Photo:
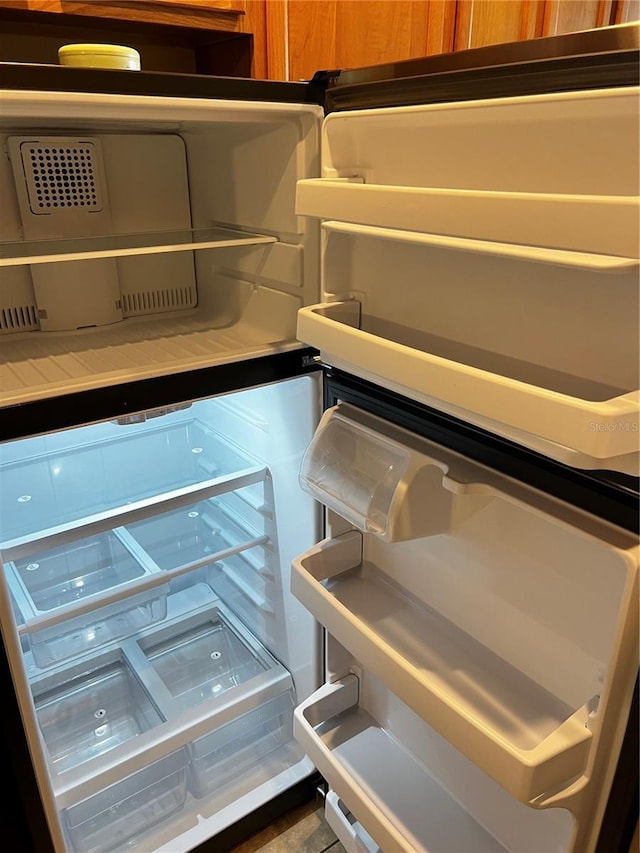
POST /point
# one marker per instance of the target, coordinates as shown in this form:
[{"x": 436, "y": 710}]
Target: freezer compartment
[
  {"x": 224, "y": 755},
  {"x": 408, "y": 788},
  {"x": 122, "y": 811},
  {"x": 193, "y": 261},
  {"x": 85, "y": 714}
]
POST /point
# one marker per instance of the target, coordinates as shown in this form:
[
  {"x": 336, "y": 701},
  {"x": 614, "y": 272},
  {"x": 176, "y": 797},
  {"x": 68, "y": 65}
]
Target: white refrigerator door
[
  {"x": 482, "y": 648},
  {"x": 482, "y": 257}
]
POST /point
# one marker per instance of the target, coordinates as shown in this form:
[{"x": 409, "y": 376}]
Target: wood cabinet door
[
  {"x": 327, "y": 34},
  {"x": 561, "y": 16},
  {"x": 483, "y": 22}
]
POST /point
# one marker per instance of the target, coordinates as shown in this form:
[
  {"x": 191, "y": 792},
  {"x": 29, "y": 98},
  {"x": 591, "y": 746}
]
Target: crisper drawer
[
  {"x": 507, "y": 621},
  {"x": 500, "y": 289},
  {"x": 108, "y": 819},
  {"x": 70, "y": 575},
  {"x": 194, "y": 704}
]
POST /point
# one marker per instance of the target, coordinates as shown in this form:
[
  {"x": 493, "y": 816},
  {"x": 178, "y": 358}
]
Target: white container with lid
[{"x": 99, "y": 56}]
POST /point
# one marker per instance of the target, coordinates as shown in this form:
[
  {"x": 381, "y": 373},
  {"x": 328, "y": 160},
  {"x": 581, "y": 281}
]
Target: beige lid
[{"x": 100, "y": 56}]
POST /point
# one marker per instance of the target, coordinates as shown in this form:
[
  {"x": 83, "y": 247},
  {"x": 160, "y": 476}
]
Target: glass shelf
[{"x": 23, "y": 252}]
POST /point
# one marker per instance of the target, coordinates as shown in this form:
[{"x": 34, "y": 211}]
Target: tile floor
[{"x": 302, "y": 830}]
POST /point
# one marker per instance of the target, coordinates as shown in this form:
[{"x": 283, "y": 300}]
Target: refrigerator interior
[
  {"x": 156, "y": 650},
  {"x": 143, "y": 236},
  {"x": 482, "y": 648}
]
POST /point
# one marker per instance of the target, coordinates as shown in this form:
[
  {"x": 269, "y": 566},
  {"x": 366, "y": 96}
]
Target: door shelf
[
  {"x": 22, "y": 252},
  {"x": 402, "y": 806},
  {"x": 517, "y": 732},
  {"x": 582, "y": 223},
  {"x": 593, "y": 424}
]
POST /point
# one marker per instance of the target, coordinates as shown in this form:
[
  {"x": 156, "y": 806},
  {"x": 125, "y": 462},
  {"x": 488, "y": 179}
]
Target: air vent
[
  {"x": 19, "y": 318},
  {"x": 62, "y": 176},
  {"x": 156, "y": 301}
]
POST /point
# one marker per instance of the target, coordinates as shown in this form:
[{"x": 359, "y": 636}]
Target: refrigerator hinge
[{"x": 311, "y": 360}]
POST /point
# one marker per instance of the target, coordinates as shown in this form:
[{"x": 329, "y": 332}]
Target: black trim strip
[
  {"x": 68, "y": 410},
  {"x": 621, "y": 815},
  {"x": 58, "y": 78},
  {"x": 24, "y": 824},
  {"x": 537, "y": 77},
  {"x": 612, "y": 497},
  {"x": 600, "y": 40}
]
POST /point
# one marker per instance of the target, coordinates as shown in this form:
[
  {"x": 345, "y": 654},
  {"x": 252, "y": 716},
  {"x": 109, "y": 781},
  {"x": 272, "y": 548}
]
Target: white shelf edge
[
  {"x": 606, "y": 225},
  {"x": 526, "y": 773},
  {"x": 536, "y": 254},
  {"x": 225, "y": 238},
  {"x": 332, "y": 328}
]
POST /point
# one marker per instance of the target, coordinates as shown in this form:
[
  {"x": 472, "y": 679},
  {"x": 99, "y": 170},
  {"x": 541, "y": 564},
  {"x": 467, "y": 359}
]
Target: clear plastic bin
[
  {"x": 200, "y": 659},
  {"x": 75, "y": 571},
  {"x": 354, "y": 471},
  {"x": 222, "y": 756},
  {"x": 62, "y": 576},
  {"x": 111, "y": 818},
  {"x": 108, "y": 465},
  {"x": 84, "y": 714},
  {"x": 192, "y": 533}
]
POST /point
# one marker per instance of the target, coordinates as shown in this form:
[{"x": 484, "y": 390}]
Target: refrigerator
[{"x": 319, "y": 452}]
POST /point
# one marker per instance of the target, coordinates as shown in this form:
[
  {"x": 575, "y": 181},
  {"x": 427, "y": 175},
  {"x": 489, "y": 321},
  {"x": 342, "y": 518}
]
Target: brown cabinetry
[
  {"x": 290, "y": 39},
  {"x": 353, "y": 33},
  {"x": 205, "y": 36}
]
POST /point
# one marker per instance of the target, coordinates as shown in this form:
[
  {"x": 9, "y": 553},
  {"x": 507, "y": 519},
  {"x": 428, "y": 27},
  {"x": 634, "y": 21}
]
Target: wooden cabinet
[
  {"x": 290, "y": 39},
  {"x": 483, "y": 22},
  {"x": 324, "y": 34},
  {"x": 205, "y": 36}
]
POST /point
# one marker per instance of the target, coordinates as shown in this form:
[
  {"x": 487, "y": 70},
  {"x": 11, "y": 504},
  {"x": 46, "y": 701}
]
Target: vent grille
[
  {"x": 61, "y": 176},
  {"x": 19, "y": 318},
  {"x": 155, "y": 301}
]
